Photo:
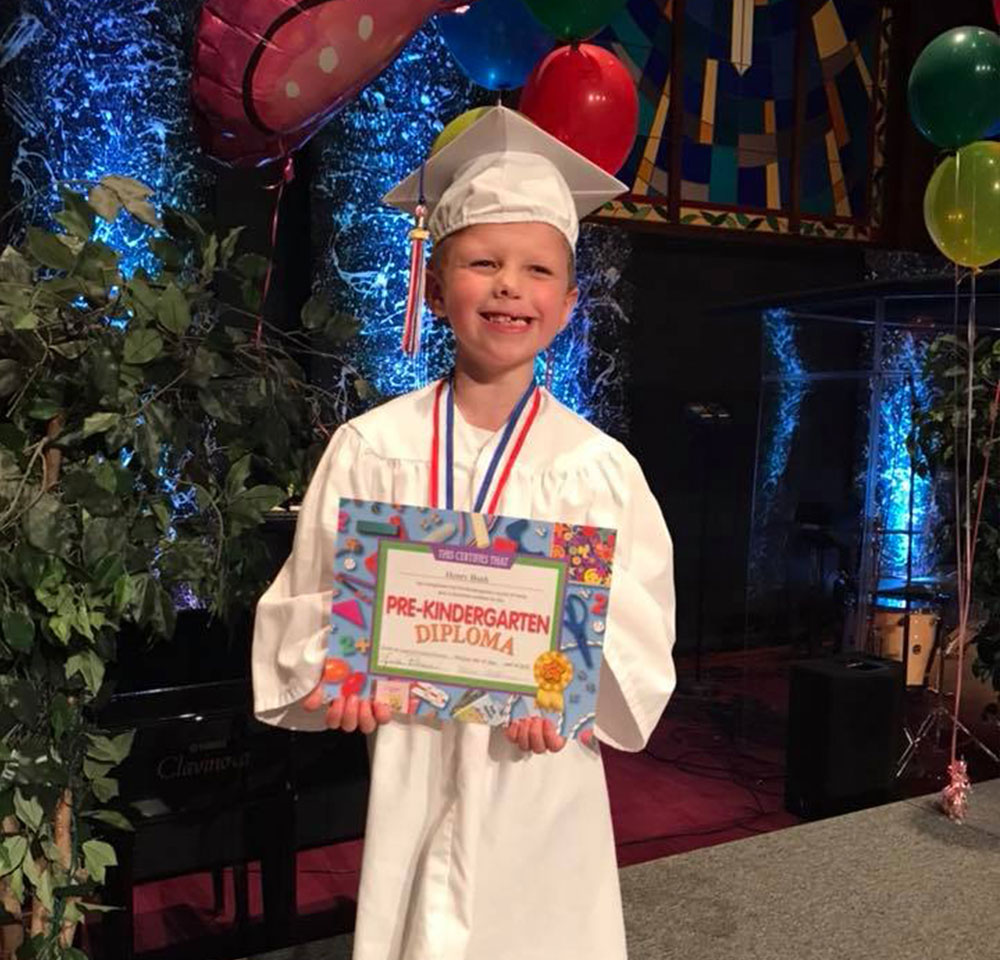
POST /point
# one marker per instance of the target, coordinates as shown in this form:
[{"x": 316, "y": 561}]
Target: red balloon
[
  {"x": 267, "y": 74},
  {"x": 584, "y": 96},
  {"x": 996, "y": 9}
]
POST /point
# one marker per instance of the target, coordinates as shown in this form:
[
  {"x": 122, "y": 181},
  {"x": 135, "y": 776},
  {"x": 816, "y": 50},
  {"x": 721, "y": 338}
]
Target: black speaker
[{"x": 845, "y": 726}]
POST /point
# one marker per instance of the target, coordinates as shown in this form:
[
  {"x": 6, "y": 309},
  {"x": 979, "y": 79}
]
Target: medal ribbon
[{"x": 532, "y": 394}]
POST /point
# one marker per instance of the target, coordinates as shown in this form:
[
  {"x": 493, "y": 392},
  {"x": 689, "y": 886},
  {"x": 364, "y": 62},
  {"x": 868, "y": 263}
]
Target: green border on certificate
[{"x": 376, "y": 667}]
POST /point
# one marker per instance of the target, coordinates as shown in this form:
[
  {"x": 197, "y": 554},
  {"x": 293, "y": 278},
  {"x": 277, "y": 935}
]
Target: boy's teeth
[{"x": 503, "y": 318}]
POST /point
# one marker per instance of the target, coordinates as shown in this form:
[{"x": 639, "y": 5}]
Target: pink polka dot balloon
[{"x": 268, "y": 74}]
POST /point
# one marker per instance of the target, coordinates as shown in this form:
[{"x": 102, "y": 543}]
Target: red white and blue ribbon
[{"x": 512, "y": 439}]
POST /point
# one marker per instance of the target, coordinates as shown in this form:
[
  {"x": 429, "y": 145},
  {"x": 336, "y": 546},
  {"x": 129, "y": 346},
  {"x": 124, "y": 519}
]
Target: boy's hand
[
  {"x": 350, "y": 713},
  {"x": 536, "y": 734}
]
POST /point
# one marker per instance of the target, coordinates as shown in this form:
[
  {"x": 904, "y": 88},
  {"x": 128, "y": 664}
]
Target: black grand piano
[{"x": 208, "y": 788}]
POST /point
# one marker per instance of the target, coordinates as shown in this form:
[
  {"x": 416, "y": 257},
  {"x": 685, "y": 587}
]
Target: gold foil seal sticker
[{"x": 553, "y": 673}]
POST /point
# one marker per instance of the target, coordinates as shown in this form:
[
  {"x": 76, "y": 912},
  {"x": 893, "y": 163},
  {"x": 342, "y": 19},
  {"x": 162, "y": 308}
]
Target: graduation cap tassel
[{"x": 415, "y": 298}]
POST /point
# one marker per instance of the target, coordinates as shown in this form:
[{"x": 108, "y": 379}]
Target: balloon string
[
  {"x": 287, "y": 175},
  {"x": 959, "y": 566},
  {"x": 972, "y": 535},
  {"x": 970, "y": 338}
]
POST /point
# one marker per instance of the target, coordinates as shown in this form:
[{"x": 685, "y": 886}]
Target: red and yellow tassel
[{"x": 415, "y": 297}]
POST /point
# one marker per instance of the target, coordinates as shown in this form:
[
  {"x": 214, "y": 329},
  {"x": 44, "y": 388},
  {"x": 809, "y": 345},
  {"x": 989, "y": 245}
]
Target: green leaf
[
  {"x": 29, "y": 811},
  {"x": 15, "y": 882},
  {"x": 182, "y": 225},
  {"x": 172, "y": 310},
  {"x": 228, "y": 246},
  {"x": 126, "y": 188},
  {"x": 105, "y": 789},
  {"x": 206, "y": 364},
  {"x": 148, "y": 444},
  {"x": 14, "y": 849},
  {"x": 45, "y": 526},
  {"x": 99, "y": 422},
  {"x": 96, "y": 770},
  {"x": 18, "y": 630},
  {"x": 14, "y": 267},
  {"x": 81, "y": 486},
  {"x": 90, "y": 666},
  {"x": 167, "y": 251},
  {"x": 218, "y": 406},
  {"x": 160, "y": 417},
  {"x": 152, "y": 606},
  {"x": 71, "y": 349},
  {"x": 10, "y": 481},
  {"x": 105, "y": 476},
  {"x": 209, "y": 257},
  {"x": 316, "y": 311},
  {"x": 43, "y": 888},
  {"x": 43, "y": 408},
  {"x": 237, "y": 476},
  {"x": 110, "y": 749},
  {"x": 247, "y": 509},
  {"x": 34, "y": 568},
  {"x": 162, "y": 513},
  {"x": 103, "y": 370},
  {"x": 363, "y": 389},
  {"x": 61, "y": 627},
  {"x": 77, "y": 215},
  {"x": 12, "y": 438},
  {"x": 141, "y": 346},
  {"x": 49, "y": 250},
  {"x": 341, "y": 327},
  {"x": 112, "y": 818},
  {"x": 25, "y": 320},
  {"x": 61, "y": 716},
  {"x": 123, "y": 592},
  {"x": 252, "y": 266},
  {"x": 185, "y": 559},
  {"x": 105, "y": 202},
  {"x": 250, "y": 291},
  {"x": 107, "y": 570},
  {"x": 130, "y": 194},
  {"x": 10, "y": 376},
  {"x": 103, "y": 538},
  {"x": 143, "y": 297},
  {"x": 30, "y": 868},
  {"x": 97, "y": 857}
]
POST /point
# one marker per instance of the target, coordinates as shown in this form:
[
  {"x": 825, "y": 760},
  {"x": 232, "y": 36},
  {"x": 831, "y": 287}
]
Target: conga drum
[{"x": 888, "y": 629}]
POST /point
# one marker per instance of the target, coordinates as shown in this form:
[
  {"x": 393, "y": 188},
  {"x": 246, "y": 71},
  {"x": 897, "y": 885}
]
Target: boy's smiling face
[{"x": 506, "y": 289}]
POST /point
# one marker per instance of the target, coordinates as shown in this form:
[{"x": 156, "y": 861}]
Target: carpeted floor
[{"x": 713, "y": 772}]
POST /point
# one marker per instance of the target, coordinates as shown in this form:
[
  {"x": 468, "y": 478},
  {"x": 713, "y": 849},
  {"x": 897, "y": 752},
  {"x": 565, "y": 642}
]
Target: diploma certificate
[{"x": 469, "y": 617}]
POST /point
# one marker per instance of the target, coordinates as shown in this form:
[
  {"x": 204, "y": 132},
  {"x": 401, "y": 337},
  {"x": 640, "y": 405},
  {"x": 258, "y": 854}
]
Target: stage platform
[{"x": 899, "y": 880}]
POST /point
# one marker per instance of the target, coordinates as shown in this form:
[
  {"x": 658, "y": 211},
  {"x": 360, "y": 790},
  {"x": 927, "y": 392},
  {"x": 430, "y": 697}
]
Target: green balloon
[
  {"x": 962, "y": 205},
  {"x": 570, "y": 20},
  {"x": 954, "y": 89}
]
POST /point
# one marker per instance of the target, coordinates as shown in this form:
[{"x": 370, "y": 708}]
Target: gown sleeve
[
  {"x": 637, "y": 671},
  {"x": 293, "y": 616}
]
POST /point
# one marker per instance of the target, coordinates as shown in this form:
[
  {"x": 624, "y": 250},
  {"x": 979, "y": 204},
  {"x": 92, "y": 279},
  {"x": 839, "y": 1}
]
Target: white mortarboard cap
[{"x": 505, "y": 169}]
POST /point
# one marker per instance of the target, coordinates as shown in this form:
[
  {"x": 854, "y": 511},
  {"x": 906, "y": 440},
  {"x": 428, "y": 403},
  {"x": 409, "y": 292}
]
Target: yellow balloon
[
  {"x": 456, "y": 126},
  {"x": 962, "y": 205}
]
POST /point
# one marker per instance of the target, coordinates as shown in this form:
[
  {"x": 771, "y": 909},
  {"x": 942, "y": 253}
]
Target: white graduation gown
[{"x": 475, "y": 850}]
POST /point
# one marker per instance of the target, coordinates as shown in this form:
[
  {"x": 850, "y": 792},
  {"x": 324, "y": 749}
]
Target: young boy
[{"x": 478, "y": 848}]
